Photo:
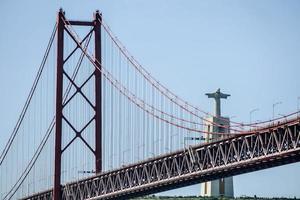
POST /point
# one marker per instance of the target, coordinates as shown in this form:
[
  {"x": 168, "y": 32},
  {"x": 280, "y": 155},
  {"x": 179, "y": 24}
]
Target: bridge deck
[{"x": 267, "y": 147}]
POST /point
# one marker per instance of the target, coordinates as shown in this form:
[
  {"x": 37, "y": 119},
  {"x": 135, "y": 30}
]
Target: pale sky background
[{"x": 250, "y": 49}]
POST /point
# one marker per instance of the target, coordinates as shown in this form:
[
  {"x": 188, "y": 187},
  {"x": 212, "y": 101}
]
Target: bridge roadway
[{"x": 271, "y": 146}]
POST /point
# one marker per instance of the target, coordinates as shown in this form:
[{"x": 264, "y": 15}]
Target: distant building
[{"x": 224, "y": 186}]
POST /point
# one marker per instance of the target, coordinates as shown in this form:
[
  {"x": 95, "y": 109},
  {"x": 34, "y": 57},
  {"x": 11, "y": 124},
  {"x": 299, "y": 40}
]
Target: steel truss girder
[{"x": 269, "y": 147}]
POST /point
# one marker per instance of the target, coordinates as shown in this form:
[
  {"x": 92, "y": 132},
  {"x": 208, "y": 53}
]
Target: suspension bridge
[{"x": 97, "y": 125}]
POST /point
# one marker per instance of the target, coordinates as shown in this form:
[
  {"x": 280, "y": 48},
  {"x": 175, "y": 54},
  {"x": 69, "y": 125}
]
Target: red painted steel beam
[
  {"x": 80, "y": 23},
  {"x": 59, "y": 105},
  {"x": 98, "y": 93}
]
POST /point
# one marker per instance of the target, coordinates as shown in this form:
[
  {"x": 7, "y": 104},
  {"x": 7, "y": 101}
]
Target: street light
[
  {"x": 157, "y": 150},
  {"x": 138, "y": 153},
  {"x": 124, "y": 151},
  {"x": 250, "y": 114},
  {"x": 275, "y": 104},
  {"x": 112, "y": 161},
  {"x": 171, "y": 142},
  {"x": 298, "y": 106}
]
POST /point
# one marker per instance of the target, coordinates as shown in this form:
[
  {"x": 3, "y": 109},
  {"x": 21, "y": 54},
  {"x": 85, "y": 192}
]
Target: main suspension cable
[
  {"x": 108, "y": 74},
  {"x": 32, "y": 90},
  {"x": 152, "y": 80},
  {"x": 33, "y": 160}
]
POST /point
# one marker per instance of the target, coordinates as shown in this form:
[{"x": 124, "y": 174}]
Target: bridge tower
[
  {"x": 224, "y": 186},
  {"x": 61, "y": 75}
]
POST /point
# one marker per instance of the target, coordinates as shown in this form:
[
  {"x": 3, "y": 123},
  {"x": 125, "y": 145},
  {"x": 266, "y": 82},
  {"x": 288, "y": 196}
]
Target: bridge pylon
[{"x": 96, "y": 105}]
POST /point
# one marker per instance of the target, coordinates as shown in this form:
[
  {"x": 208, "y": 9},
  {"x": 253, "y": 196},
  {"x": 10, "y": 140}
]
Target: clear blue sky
[{"x": 250, "y": 49}]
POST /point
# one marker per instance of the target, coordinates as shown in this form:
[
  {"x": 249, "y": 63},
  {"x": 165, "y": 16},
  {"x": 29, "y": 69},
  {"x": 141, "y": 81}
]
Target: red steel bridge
[{"x": 98, "y": 125}]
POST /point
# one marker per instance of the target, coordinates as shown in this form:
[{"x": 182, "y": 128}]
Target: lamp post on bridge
[
  {"x": 250, "y": 114},
  {"x": 112, "y": 163},
  {"x": 171, "y": 142},
  {"x": 274, "y": 105},
  {"x": 298, "y": 106},
  {"x": 138, "y": 151},
  {"x": 156, "y": 144},
  {"x": 123, "y": 154}
]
